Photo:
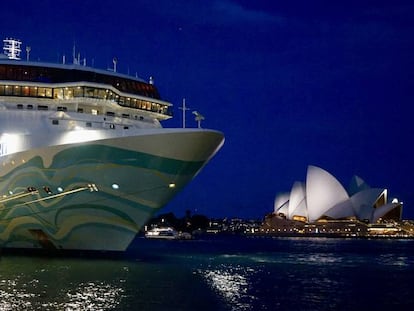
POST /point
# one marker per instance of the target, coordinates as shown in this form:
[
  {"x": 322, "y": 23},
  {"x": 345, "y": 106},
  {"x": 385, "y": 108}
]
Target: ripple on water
[
  {"x": 231, "y": 282},
  {"x": 89, "y": 296}
]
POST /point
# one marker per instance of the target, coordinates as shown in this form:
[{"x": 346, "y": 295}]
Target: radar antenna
[
  {"x": 198, "y": 117},
  {"x": 12, "y": 48},
  {"x": 115, "y": 61},
  {"x": 28, "y": 49}
]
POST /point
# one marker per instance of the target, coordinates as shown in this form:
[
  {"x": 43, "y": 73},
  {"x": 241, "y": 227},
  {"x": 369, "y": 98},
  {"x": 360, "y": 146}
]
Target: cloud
[{"x": 234, "y": 12}]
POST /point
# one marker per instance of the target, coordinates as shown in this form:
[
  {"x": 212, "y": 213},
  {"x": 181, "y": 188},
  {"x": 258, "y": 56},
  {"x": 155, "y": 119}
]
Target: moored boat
[{"x": 166, "y": 233}]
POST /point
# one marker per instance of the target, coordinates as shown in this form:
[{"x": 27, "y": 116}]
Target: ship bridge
[{"x": 74, "y": 82}]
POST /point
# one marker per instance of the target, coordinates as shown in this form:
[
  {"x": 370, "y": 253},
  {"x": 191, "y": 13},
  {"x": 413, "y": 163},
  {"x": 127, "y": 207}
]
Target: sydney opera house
[
  {"x": 322, "y": 196},
  {"x": 322, "y": 202}
]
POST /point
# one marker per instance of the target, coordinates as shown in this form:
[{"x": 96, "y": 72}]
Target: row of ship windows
[
  {"x": 89, "y": 124},
  {"x": 60, "y": 75},
  {"x": 80, "y": 110},
  {"x": 79, "y": 92}
]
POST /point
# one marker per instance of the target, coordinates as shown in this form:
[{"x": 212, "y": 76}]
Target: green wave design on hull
[
  {"x": 69, "y": 157},
  {"x": 33, "y": 218}
]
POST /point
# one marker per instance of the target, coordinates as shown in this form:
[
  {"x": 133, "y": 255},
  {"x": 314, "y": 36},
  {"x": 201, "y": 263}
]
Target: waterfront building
[{"x": 322, "y": 197}]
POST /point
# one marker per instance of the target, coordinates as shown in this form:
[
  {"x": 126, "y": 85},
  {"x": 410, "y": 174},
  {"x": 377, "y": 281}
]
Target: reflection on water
[
  {"x": 39, "y": 284},
  {"x": 319, "y": 258},
  {"x": 92, "y": 296},
  {"x": 222, "y": 274},
  {"x": 231, "y": 283},
  {"x": 393, "y": 260},
  {"x": 32, "y": 283},
  {"x": 89, "y": 296},
  {"x": 12, "y": 298}
]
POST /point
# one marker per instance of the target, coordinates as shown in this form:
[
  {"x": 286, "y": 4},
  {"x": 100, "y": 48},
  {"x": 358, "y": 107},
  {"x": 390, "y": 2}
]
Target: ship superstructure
[{"x": 84, "y": 160}]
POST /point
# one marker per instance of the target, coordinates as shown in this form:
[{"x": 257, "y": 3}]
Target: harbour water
[{"x": 218, "y": 273}]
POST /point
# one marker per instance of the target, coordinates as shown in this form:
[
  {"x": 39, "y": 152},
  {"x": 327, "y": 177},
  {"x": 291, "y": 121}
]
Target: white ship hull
[{"x": 96, "y": 195}]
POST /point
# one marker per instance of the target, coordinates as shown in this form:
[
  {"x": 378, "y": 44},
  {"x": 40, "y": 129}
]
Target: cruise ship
[{"x": 84, "y": 159}]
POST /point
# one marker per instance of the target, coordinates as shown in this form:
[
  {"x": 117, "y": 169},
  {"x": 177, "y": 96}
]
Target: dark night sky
[{"x": 326, "y": 83}]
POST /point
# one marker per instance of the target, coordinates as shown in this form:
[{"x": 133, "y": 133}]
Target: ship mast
[{"x": 184, "y": 109}]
